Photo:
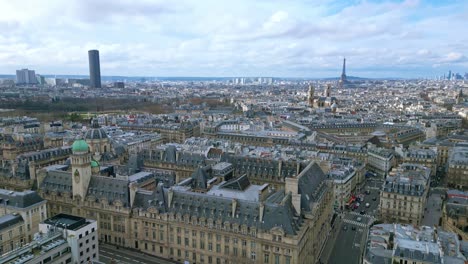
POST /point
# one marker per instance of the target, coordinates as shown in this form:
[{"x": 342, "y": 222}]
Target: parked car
[
  {"x": 374, "y": 199},
  {"x": 367, "y": 205},
  {"x": 345, "y": 228},
  {"x": 353, "y": 228},
  {"x": 359, "y": 219},
  {"x": 362, "y": 212}
]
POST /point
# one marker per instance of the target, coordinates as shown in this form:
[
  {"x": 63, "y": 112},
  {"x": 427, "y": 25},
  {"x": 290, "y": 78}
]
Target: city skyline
[{"x": 407, "y": 39}]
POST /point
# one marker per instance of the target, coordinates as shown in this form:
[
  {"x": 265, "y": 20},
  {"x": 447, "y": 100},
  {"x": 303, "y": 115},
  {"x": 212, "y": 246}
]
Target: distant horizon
[
  {"x": 83, "y": 76},
  {"x": 407, "y": 39}
]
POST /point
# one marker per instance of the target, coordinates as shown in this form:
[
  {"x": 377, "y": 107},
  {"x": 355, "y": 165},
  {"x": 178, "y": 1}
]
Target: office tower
[
  {"x": 94, "y": 69},
  {"x": 450, "y": 75},
  {"x": 25, "y": 76}
]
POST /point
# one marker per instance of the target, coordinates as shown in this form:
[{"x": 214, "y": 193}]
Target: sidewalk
[{"x": 325, "y": 256}]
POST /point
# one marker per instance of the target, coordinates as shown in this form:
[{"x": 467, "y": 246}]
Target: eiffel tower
[{"x": 343, "y": 81}]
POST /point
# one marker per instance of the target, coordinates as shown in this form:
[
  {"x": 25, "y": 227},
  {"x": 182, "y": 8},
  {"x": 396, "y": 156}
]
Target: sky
[{"x": 277, "y": 38}]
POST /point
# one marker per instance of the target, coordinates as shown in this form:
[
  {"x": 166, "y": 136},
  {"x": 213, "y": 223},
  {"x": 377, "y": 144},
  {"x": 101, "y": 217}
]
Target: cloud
[{"x": 210, "y": 37}]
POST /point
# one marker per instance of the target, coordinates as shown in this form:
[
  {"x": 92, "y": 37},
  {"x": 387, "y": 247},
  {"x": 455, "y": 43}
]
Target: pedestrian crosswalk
[
  {"x": 365, "y": 215},
  {"x": 348, "y": 221}
]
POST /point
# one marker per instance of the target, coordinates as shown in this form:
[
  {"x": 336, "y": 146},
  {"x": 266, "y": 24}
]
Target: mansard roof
[
  {"x": 310, "y": 183},
  {"x": 109, "y": 188},
  {"x": 20, "y": 199},
  {"x": 276, "y": 214}
]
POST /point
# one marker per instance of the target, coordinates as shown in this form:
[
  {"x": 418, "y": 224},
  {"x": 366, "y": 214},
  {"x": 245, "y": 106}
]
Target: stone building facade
[{"x": 404, "y": 193}]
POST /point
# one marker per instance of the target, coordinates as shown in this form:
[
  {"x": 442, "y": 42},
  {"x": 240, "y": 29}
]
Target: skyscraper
[
  {"x": 94, "y": 69},
  {"x": 25, "y": 76}
]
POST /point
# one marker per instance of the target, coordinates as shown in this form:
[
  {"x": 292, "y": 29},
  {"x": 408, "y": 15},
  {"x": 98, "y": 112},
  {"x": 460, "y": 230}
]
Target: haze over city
[{"x": 407, "y": 39}]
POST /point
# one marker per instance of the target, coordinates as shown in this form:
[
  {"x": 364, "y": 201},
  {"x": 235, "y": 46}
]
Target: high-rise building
[
  {"x": 25, "y": 76},
  {"x": 94, "y": 68}
]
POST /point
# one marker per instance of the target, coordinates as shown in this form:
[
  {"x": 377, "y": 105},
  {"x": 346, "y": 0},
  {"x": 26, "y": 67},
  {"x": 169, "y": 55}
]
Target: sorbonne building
[{"x": 206, "y": 218}]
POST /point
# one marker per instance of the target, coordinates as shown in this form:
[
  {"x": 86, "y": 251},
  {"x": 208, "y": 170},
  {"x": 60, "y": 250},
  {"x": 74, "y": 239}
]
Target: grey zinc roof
[
  {"x": 309, "y": 184},
  {"x": 280, "y": 215},
  {"x": 9, "y": 220},
  {"x": 57, "y": 181},
  {"x": 95, "y": 133},
  {"x": 20, "y": 199},
  {"x": 200, "y": 178},
  {"x": 109, "y": 188}
]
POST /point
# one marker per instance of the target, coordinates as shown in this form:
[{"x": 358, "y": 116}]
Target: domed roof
[
  {"x": 80, "y": 146},
  {"x": 94, "y": 164},
  {"x": 96, "y": 132}
]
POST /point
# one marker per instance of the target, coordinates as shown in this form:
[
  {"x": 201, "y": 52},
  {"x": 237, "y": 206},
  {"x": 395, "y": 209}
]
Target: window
[
  {"x": 202, "y": 244},
  {"x": 210, "y": 246},
  {"x": 218, "y": 248},
  {"x": 253, "y": 255},
  {"x": 161, "y": 250},
  {"x": 226, "y": 250},
  {"x": 277, "y": 259},
  {"x": 186, "y": 242},
  {"x": 266, "y": 258},
  {"x": 288, "y": 260}
]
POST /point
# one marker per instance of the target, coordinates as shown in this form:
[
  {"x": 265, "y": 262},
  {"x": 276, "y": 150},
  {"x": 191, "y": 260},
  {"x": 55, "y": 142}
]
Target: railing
[{"x": 28, "y": 247}]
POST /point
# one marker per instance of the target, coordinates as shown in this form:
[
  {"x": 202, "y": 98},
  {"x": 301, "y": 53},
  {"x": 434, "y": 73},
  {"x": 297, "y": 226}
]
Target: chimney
[
  {"x": 170, "y": 196},
  {"x": 133, "y": 190},
  {"x": 233, "y": 207},
  {"x": 262, "y": 210}
]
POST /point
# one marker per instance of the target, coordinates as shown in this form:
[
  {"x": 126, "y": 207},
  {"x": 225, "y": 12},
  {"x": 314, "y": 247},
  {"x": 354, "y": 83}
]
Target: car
[
  {"x": 374, "y": 199},
  {"x": 367, "y": 205},
  {"x": 363, "y": 212},
  {"x": 353, "y": 228},
  {"x": 367, "y": 192},
  {"x": 345, "y": 228},
  {"x": 359, "y": 219}
]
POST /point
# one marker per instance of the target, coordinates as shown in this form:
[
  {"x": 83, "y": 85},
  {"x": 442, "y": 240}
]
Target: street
[
  {"x": 346, "y": 246},
  {"x": 434, "y": 211},
  {"x": 107, "y": 253}
]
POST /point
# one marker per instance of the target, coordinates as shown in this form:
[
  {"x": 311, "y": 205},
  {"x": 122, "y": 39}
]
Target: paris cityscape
[{"x": 274, "y": 132}]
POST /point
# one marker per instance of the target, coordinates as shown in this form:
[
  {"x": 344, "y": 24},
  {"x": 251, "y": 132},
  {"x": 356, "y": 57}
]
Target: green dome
[
  {"x": 94, "y": 164},
  {"x": 80, "y": 146}
]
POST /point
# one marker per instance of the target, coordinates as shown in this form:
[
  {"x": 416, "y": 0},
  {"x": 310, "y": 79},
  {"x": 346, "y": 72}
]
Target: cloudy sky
[{"x": 283, "y": 38}]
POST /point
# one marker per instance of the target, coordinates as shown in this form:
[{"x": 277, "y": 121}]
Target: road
[
  {"x": 346, "y": 246},
  {"x": 107, "y": 253},
  {"x": 434, "y": 211}
]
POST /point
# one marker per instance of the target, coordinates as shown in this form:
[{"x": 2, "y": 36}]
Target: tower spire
[{"x": 343, "y": 80}]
